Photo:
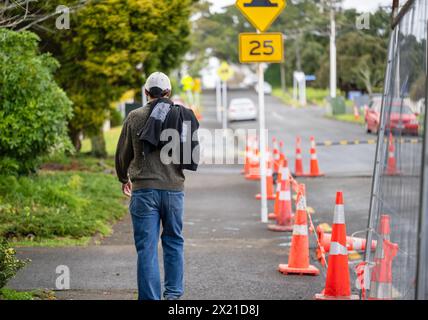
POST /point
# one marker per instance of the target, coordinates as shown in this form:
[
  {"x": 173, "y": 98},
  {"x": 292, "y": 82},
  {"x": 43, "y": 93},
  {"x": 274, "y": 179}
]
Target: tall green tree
[{"x": 102, "y": 53}]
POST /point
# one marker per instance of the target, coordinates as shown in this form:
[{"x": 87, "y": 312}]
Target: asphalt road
[{"x": 230, "y": 254}]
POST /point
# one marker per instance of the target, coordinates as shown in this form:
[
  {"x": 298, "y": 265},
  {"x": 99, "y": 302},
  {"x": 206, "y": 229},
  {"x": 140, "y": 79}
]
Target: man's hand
[{"x": 127, "y": 188}]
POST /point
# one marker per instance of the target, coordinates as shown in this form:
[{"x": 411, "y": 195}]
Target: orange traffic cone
[
  {"x": 276, "y": 155},
  {"x": 254, "y": 167},
  {"x": 298, "y": 261},
  {"x": 338, "y": 284},
  {"x": 314, "y": 167},
  {"x": 283, "y": 166},
  {"x": 356, "y": 113},
  {"x": 284, "y": 215},
  {"x": 281, "y": 152},
  {"x": 352, "y": 243},
  {"x": 269, "y": 181},
  {"x": 391, "y": 168},
  {"x": 248, "y": 152},
  {"x": 298, "y": 171},
  {"x": 381, "y": 277}
]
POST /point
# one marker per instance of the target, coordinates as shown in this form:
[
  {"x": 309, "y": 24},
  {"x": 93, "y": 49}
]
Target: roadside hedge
[{"x": 34, "y": 110}]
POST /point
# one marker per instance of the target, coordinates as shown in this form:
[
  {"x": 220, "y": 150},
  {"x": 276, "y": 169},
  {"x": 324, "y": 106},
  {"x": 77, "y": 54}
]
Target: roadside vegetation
[
  {"x": 314, "y": 96},
  {"x": 347, "y": 118},
  {"x": 59, "y": 205},
  {"x": 9, "y": 294}
]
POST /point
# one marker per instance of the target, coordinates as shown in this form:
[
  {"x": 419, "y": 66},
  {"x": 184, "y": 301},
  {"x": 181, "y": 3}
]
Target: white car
[
  {"x": 267, "y": 88},
  {"x": 242, "y": 109}
]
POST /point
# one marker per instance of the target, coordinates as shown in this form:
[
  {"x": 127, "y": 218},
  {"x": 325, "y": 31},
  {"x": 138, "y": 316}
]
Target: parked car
[
  {"x": 401, "y": 117},
  {"x": 267, "y": 88},
  {"x": 242, "y": 109}
]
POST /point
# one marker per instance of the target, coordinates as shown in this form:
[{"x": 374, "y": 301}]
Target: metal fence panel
[{"x": 395, "y": 209}]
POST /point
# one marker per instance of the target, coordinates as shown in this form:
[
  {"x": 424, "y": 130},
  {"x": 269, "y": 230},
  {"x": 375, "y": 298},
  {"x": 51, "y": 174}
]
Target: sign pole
[
  {"x": 260, "y": 48},
  {"x": 218, "y": 100},
  {"x": 333, "y": 58},
  {"x": 263, "y": 184},
  {"x": 224, "y": 106},
  {"x": 225, "y": 73}
]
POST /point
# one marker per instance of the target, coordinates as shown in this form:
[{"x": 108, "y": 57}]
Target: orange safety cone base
[
  {"x": 321, "y": 296},
  {"x": 397, "y": 173},
  {"x": 269, "y": 197},
  {"x": 249, "y": 177},
  {"x": 272, "y": 216},
  {"x": 279, "y": 228},
  {"x": 309, "y": 271}
]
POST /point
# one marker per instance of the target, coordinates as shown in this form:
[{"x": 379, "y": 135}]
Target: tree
[
  {"x": 23, "y": 14},
  {"x": 361, "y": 62},
  {"x": 33, "y": 110},
  {"x": 306, "y": 26},
  {"x": 102, "y": 50}
]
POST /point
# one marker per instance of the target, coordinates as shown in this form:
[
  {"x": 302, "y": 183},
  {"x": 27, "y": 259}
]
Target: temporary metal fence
[{"x": 398, "y": 209}]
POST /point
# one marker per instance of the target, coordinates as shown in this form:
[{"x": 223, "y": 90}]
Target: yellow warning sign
[
  {"x": 197, "y": 86},
  {"x": 225, "y": 72},
  {"x": 261, "y": 47},
  {"x": 187, "y": 83},
  {"x": 261, "y": 13}
]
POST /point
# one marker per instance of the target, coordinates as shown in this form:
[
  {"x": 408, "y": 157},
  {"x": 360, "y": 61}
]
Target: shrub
[
  {"x": 33, "y": 110},
  {"x": 9, "y": 264}
]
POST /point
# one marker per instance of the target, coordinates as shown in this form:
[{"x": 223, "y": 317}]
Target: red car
[{"x": 402, "y": 118}]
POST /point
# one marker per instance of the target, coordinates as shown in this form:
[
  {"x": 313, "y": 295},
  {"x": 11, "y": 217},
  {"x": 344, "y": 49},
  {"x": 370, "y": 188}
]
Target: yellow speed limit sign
[{"x": 261, "y": 47}]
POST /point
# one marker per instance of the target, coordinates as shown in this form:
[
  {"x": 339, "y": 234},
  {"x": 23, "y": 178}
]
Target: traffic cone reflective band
[
  {"x": 298, "y": 261},
  {"x": 338, "y": 284},
  {"x": 269, "y": 181},
  {"x": 276, "y": 155},
  {"x": 284, "y": 215},
  {"x": 298, "y": 170},
  {"x": 352, "y": 243},
  {"x": 282, "y": 156},
  {"x": 283, "y": 167},
  {"x": 391, "y": 168},
  {"x": 314, "y": 167},
  {"x": 381, "y": 277}
]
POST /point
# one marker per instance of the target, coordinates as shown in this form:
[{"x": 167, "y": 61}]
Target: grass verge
[
  {"x": 350, "y": 118},
  {"x": 314, "y": 96},
  {"x": 9, "y": 294},
  {"x": 58, "y": 208},
  {"x": 111, "y": 137}
]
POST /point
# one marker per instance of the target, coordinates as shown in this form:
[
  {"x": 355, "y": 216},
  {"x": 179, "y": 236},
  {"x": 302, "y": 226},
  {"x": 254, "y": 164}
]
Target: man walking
[{"x": 156, "y": 189}]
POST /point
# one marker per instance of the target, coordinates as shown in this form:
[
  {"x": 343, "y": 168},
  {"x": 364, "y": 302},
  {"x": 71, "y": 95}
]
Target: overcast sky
[{"x": 360, "y": 5}]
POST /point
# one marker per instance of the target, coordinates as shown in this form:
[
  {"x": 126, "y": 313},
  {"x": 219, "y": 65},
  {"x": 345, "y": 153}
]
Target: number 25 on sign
[{"x": 261, "y": 47}]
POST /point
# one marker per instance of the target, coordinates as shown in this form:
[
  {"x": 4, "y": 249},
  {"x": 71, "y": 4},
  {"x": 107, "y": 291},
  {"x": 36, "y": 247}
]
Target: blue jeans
[{"x": 150, "y": 207}]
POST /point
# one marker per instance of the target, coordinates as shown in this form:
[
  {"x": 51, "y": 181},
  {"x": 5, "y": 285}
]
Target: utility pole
[
  {"x": 333, "y": 59},
  {"x": 283, "y": 81}
]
